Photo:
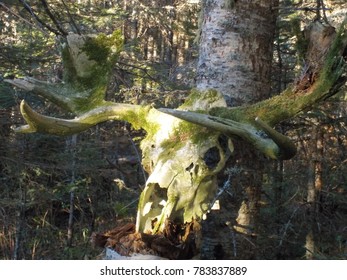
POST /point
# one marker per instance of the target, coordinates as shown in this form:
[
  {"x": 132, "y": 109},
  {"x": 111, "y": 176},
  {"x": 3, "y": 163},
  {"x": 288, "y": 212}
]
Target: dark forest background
[{"x": 55, "y": 192}]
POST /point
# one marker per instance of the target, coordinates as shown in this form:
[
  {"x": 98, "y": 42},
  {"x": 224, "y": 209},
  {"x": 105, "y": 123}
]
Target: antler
[
  {"x": 277, "y": 146},
  {"x": 40, "y": 123}
]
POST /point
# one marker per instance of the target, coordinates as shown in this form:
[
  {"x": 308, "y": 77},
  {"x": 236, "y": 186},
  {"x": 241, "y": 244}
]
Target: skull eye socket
[{"x": 212, "y": 157}]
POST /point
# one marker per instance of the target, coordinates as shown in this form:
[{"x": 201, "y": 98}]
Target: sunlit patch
[
  {"x": 162, "y": 203},
  {"x": 147, "y": 208}
]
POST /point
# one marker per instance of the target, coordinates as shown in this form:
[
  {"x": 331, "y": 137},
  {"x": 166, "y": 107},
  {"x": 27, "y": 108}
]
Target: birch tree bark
[
  {"x": 235, "y": 58},
  {"x": 235, "y": 50}
]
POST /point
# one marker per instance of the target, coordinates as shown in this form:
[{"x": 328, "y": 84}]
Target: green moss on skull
[
  {"x": 169, "y": 149},
  {"x": 138, "y": 118},
  {"x": 201, "y": 100},
  {"x": 184, "y": 132}
]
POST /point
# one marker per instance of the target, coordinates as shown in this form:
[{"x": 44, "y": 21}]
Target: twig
[
  {"x": 144, "y": 70},
  {"x": 138, "y": 157},
  {"x": 72, "y": 148},
  {"x": 51, "y": 16},
  {"x": 129, "y": 204},
  {"x": 20, "y": 17},
  {"x": 227, "y": 184},
  {"x": 40, "y": 21},
  {"x": 247, "y": 239},
  {"x": 73, "y": 23},
  {"x": 287, "y": 226},
  {"x": 19, "y": 223},
  {"x": 324, "y": 11},
  {"x": 305, "y": 9}
]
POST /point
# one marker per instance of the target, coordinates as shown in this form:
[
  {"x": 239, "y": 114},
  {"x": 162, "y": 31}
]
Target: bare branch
[
  {"x": 73, "y": 23},
  {"x": 51, "y": 16},
  {"x": 20, "y": 17},
  {"x": 39, "y": 20}
]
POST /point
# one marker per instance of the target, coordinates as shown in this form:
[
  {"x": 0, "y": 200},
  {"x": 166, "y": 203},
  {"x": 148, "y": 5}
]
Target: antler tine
[{"x": 277, "y": 146}]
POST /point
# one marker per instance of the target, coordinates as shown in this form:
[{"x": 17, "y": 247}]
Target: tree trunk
[
  {"x": 71, "y": 146},
  {"x": 235, "y": 58},
  {"x": 314, "y": 188},
  {"x": 235, "y": 52}
]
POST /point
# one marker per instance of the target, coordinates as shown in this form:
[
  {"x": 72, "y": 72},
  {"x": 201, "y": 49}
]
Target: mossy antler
[
  {"x": 44, "y": 124},
  {"x": 277, "y": 146}
]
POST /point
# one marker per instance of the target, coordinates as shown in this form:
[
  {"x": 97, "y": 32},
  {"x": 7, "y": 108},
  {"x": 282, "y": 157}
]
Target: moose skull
[
  {"x": 183, "y": 180},
  {"x": 183, "y": 152},
  {"x": 182, "y": 160}
]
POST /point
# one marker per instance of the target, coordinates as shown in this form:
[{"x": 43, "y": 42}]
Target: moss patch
[
  {"x": 200, "y": 99},
  {"x": 291, "y": 102},
  {"x": 87, "y": 91},
  {"x": 104, "y": 48}
]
